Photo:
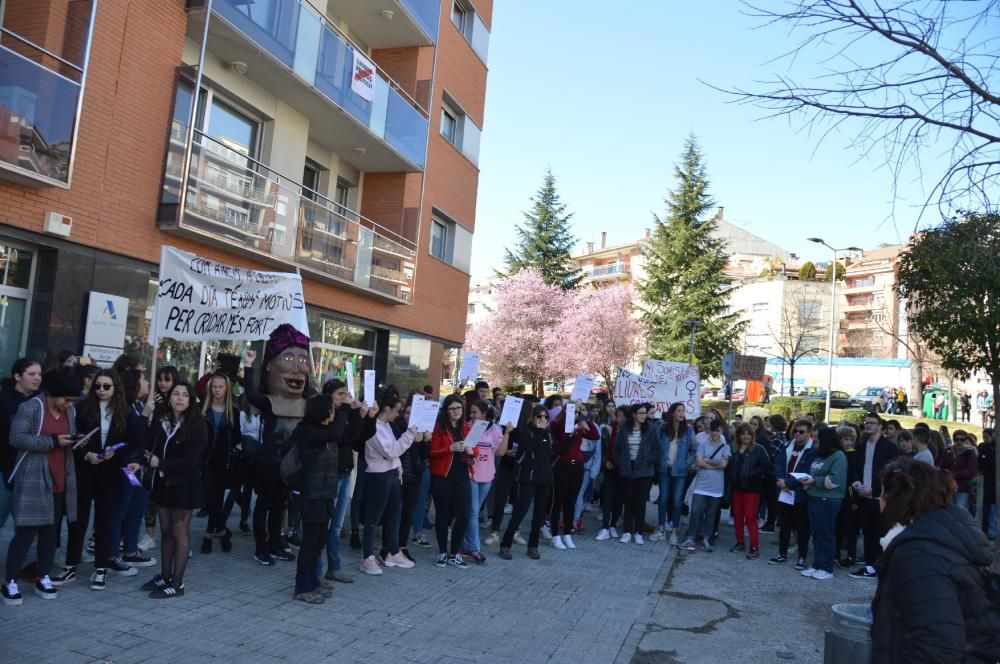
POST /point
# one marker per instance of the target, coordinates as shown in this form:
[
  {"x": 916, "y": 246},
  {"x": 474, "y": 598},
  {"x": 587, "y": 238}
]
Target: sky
[{"x": 605, "y": 93}]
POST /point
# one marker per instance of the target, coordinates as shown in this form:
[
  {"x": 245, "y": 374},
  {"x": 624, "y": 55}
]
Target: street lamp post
[
  {"x": 833, "y": 318},
  {"x": 694, "y": 325}
]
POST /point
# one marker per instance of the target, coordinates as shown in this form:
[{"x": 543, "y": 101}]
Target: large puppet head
[{"x": 286, "y": 362}]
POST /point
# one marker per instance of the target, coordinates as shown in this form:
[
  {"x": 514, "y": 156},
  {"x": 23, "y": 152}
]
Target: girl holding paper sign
[
  {"x": 98, "y": 478},
  {"x": 491, "y": 444},
  {"x": 568, "y": 470},
  {"x": 450, "y": 463}
]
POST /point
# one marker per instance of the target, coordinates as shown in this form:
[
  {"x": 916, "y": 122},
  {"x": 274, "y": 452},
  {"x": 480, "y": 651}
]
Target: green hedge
[
  {"x": 813, "y": 407},
  {"x": 854, "y": 415},
  {"x": 781, "y": 409},
  {"x": 722, "y": 406}
]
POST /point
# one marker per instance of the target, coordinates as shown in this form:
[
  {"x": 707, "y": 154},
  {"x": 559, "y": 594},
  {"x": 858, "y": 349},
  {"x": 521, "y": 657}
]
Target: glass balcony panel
[
  {"x": 480, "y": 40},
  {"x": 271, "y": 23},
  {"x": 406, "y": 129},
  {"x": 37, "y": 115},
  {"x": 427, "y": 13}
]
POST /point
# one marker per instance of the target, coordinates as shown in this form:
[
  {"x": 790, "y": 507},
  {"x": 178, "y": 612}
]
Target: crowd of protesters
[{"x": 98, "y": 449}]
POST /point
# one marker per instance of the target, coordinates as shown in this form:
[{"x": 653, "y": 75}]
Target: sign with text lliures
[
  {"x": 631, "y": 388},
  {"x": 201, "y": 299}
]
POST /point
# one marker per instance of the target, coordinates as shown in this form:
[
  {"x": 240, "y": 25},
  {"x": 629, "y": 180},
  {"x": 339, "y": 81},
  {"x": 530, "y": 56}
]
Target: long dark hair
[
  {"x": 443, "y": 422},
  {"x": 191, "y": 417},
  {"x": 669, "y": 424},
  {"x": 131, "y": 384},
  {"x": 21, "y": 365},
  {"x": 91, "y": 408},
  {"x": 168, "y": 370},
  {"x": 630, "y": 413},
  {"x": 829, "y": 442}
]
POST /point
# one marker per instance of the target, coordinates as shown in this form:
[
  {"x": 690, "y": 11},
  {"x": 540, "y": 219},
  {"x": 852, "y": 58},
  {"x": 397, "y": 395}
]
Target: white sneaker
[
  {"x": 658, "y": 535},
  {"x": 604, "y": 535},
  {"x": 146, "y": 542},
  {"x": 568, "y": 541},
  {"x": 638, "y": 539},
  {"x": 626, "y": 538},
  {"x": 518, "y": 539},
  {"x": 546, "y": 532},
  {"x": 673, "y": 538},
  {"x": 492, "y": 539},
  {"x": 558, "y": 543},
  {"x": 822, "y": 575},
  {"x": 614, "y": 532},
  {"x": 809, "y": 572}
]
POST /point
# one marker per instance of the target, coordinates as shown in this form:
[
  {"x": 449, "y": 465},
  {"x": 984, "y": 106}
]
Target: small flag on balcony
[{"x": 363, "y": 79}]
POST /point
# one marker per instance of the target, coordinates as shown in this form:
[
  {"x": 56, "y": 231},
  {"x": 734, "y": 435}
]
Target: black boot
[
  {"x": 206, "y": 544},
  {"x": 227, "y": 540}
]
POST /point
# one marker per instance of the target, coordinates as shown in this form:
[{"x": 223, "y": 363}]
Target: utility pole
[{"x": 694, "y": 325}]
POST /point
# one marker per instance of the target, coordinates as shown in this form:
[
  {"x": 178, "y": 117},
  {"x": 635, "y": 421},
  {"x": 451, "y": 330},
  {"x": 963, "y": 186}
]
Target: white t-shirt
[{"x": 711, "y": 481}]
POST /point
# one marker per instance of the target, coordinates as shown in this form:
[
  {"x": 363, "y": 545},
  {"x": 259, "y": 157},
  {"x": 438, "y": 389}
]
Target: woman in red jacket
[
  {"x": 568, "y": 471},
  {"x": 450, "y": 464}
]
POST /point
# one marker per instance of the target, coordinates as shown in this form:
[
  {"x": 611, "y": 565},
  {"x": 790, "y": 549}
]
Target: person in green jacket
[{"x": 825, "y": 488}]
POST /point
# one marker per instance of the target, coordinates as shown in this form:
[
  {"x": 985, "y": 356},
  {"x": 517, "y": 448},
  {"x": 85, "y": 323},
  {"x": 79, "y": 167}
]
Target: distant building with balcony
[
  {"x": 872, "y": 318},
  {"x": 603, "y": 266},
  {"x": 336, "y": 138}
]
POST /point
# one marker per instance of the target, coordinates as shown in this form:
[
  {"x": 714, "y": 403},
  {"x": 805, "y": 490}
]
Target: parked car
[
  {"x": 838, "y": 399},
  {"x": 866, "y": 398}
]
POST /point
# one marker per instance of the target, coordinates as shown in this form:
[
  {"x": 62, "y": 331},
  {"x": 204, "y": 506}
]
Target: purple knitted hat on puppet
[{"x": 284, "y": 336}]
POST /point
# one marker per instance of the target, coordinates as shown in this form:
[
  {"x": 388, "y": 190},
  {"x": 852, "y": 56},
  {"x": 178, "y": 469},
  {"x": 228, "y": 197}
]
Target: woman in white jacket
[{"x": 382, "y": 487}]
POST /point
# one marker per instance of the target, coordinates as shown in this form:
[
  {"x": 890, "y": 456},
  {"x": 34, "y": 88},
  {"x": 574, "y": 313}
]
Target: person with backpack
[
  {"x": 42, "y": 434},
  {"x": 708, "y": 486},
  {"x": 936, "y": 600},
  {"x": 534, "y": 462}
]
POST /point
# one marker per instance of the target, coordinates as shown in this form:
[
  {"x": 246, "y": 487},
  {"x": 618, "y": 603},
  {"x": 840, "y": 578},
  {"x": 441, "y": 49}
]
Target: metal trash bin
[{"x": 848, "y": 638}]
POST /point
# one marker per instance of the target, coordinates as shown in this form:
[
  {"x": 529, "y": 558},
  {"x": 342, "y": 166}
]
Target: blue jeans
[
  {"x": 582, "y": 497},
  {"x": 672, "y": 496},
  {"x": 5, "y": 500},
  {"x": 333, "y": 536},
  {"x": 479, "y": 490},
  {"x": 823, "y": 523},
  {"x": 419, "y": 519},
  {"x": 129, "y": 510}
]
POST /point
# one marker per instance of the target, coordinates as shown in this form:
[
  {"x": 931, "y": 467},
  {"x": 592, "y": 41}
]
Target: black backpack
[{"x": 291, "y": 470}]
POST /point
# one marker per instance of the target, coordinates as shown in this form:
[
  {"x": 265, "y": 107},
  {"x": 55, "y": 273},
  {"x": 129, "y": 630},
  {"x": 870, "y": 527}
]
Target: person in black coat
[
  {"x": 932, "y": 604},
  {"x": 749, "y": 470},
  {"x": 534, "y": 459},
  {"x": 874, "y": 452},
  {"x": 174, "y": 470},
  {"x": 222, "y": 460}
]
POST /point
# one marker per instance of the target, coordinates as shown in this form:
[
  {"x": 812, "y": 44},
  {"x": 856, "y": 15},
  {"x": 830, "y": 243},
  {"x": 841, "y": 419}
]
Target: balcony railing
[
  {"x": 301, "y": 38},
  {"x": 609, "y": 270},
  {"x": 426, "y": 12},
  {"x": 240, "y": 202},
  {"x": 40, "y": 99}
]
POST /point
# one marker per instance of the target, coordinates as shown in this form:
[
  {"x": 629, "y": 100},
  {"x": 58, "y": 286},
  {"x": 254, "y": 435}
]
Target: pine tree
[
  {"x": 544, "y": 240},
  {"x": 807, "y": 272},
  {"x": 685, "y": 268}
]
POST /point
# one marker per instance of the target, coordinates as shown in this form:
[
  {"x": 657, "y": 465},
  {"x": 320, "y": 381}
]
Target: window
[
  {"x": 468, "y": 23},
  {"x": 472, "y": 309},
  {"x": 451, "y": 242},
  {"x": 809, "y": 312},
  {"x": 759, "y": 306},
  {"x": 459, "y": 129},
  {"x": 439, "y": 240},
  {"x": 461, "y": 16}
]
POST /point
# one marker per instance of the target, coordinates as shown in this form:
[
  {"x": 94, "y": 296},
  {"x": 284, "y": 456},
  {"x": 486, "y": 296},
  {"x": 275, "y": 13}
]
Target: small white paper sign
[
  {"x": 423, "y": 415},
  {"x": 476, "y": 433},
  {"x": 416, "y": 398},
  {"x": 370, "y": 387},
  {"x": 800, "y": 476},
  {"x": 570, "y": 418},
  {"x": 786, "y": 497},
  {"x": 511, "y": 412},
  {"x": 470, "y": 367},
  {"x": 582, "y": 388},
  {"x": 349, "y": 375}
]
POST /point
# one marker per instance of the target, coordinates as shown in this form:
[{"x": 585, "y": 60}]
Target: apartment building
[
  {"x": 338, "y": 138},
  {"x": 873, "y": 319},
  {"x": 607, "y": 266}
]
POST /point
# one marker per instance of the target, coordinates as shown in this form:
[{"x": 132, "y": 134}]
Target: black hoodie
[
  {"x": 931, "y": 603},
  {"x": 10, "y": 401}
]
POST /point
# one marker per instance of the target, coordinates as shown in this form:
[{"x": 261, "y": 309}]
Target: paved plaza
[{"x": 604, "y": 602}]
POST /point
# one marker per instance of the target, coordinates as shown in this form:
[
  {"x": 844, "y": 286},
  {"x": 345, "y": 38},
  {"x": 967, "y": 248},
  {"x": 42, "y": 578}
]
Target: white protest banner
[
  {"x": 363, "y": 77},
  {"x": 511, "y": 412},
  {"x": 631, "y": 388},
  {"x": 370, "y": 387},
  {"x": 349, "y": 378},
  {"x": 476, "y": 433},
  {"x": 581, "y": 388},
  {"x": 201, "y": 299},
  {"x": 570, "y": 418},
  {"x": 470, "y": 367},
  {"x": 416, "y": 398},
  {"x": 663, "y": 370},
  {"x": 423, "y": 415}
]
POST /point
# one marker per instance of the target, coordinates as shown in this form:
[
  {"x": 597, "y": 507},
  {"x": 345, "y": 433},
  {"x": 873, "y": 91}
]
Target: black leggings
[
  {"x": 175, "y": 535},
  {"x": 95, "y": 484},
  {"x": 847, "y": 529},
  {"x": 611, "y": 499},
  {"x": 268, "y": 513},
  {"x": 567, "y": 480},
  {"x": 502, "y": 490},
  {"x": 17, "y": 551},
  {"x": 635, "y": 494},
  {"x": 797, "y": 517},
  {"x": 409, "y": 493},
  {"x": 382, "y": 499},
  {"x": 452, "y": 502},
  {"x": 527, "y": 494}
]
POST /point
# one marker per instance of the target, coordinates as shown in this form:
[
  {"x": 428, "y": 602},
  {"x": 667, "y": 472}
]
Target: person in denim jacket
[{"x": 676, "y": 461}]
